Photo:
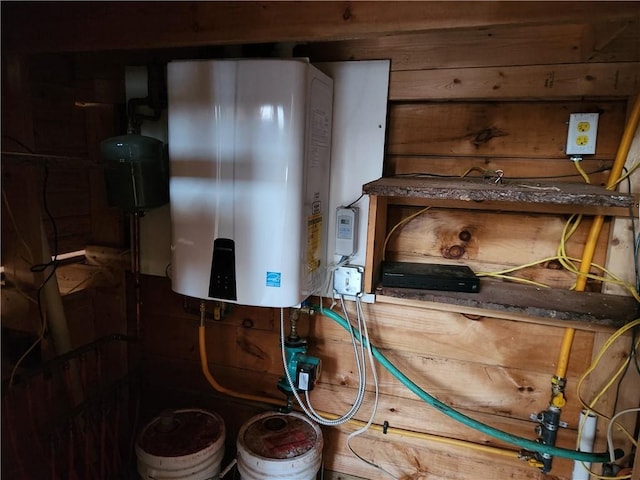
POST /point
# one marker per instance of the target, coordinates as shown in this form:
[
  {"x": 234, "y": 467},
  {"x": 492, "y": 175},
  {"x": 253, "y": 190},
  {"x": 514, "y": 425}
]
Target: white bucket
[
  {"x": 181, "y": 444},
  {"x": 280, "y": 447}
]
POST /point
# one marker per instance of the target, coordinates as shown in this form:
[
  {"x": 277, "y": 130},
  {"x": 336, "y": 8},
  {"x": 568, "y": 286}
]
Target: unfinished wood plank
[
  {"x": 80, "y": 317},
  {"x": 588, "y": 307},
  {"x": 608, "y": 41},
  {"x": 477, "y": 190},
  {"x": 524, "y": 169},
  {"x": 479, "y": 312},
  {"x": 443, "y": 334},
  {"x": 489, "y": 242},
  {"x": 538, "y": 82},
  {"x": 440, "y": 49},
  {"x": 510, "y": 129},
  {"x": 159, "y": 299},
  {"x": 183, "y": 24},
  {"x": 486, "y": 389},
  {"x": 407, "y": 457},
  {"x": 414, "y": 415},
  {"x": 108, "y": 257},
  {"x": 376, "y": 231},
  {"x": 77, "y": 277},
  {"x": 183, "y": 374},
  {"x": 500, "y": 206},
  {"x": 249, "y": 348}
]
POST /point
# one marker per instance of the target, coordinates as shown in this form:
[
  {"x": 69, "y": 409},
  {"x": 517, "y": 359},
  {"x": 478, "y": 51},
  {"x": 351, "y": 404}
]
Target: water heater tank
[{"x": 249, "y": 148}]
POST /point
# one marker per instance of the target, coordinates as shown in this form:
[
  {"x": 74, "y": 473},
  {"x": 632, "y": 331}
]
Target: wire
[
  {"x": 397, "y": 225},
  {"x": 22, "y": 144},
  {"x": 632, "y": 349},
  {"x": 355, "y": 201},
  {"x": 41, "y": 268},
  {"x": 486, "y": 173},
  {"x": 590, "y": 407},
  {"x": 576, "y": 162},
  {"x": 14, "y": 370},
  {"x": 567, "y": 233},
  {"x": 543, "y": 177},
  {"x": 512, "y": 278},
  {"x": 632, "y": 169},
  {"x": 602, "y": 477},
  {"x": 635, "y": 350},
  {"x": 567, "y": 263},
  {"x": 374, "y": 410},
  {"x": 607, "y": 344},
  {"x": 612, "y": 456}
]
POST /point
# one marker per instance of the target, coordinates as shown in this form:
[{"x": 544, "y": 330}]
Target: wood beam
[
  {"x": 95, "y": 26},
  {"x": 534, "y": 82}
]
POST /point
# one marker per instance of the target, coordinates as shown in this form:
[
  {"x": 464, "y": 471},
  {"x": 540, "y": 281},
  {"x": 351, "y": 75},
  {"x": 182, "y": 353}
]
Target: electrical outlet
[
  {"x": 347, "y": 280},
  {"x": 583, "y": 130}
]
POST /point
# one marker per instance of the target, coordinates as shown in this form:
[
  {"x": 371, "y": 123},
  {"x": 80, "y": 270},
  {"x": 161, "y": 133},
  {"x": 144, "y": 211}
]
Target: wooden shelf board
[
  {"x": 466, "y": 190},
  {"x": 591, "y": 308},
  {"x": 547, "y": 209}
]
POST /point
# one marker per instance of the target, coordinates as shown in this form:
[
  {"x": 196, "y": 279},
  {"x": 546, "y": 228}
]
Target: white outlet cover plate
[{"x": 583, "y": 130}]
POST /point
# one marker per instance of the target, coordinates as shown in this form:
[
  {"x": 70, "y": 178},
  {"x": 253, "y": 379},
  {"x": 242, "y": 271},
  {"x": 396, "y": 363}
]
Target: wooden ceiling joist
[{"x": 100, "y": 26}]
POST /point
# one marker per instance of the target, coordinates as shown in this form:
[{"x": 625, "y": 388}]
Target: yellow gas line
[{"x": 592, "y": 241}]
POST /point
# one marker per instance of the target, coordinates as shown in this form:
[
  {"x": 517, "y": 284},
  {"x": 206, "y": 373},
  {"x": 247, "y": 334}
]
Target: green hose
[{"x": 468, "y": 421}]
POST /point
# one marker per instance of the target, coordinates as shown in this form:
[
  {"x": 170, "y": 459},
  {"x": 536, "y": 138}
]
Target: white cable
[
  {"x": 352, "y": 435},
  {"x": 612, "y": 456},
  {"x": 309, "y": 411}
]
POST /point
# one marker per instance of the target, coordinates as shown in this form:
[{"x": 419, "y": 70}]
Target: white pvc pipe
[
  {"x": 56, "y": 318},
  {"x": 586, "y": 441}
]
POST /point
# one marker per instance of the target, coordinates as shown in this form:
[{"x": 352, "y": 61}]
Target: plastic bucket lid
[
  {"x": 181, "y": 444},
  {"x": 279, "y": 446}
]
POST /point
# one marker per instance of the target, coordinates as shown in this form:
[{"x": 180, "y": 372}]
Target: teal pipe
[{"x": 468, "y": 421}]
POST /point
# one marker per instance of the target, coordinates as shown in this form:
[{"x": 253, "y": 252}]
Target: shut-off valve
[{"x": 548, "y": 424}]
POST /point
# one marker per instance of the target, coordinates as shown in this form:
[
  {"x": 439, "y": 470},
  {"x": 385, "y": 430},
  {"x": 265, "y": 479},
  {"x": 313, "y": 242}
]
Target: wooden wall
[{"x": 483, "y": 85}]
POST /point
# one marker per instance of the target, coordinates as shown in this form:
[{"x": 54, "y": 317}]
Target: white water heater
[{"x": 249, "y": 149}]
